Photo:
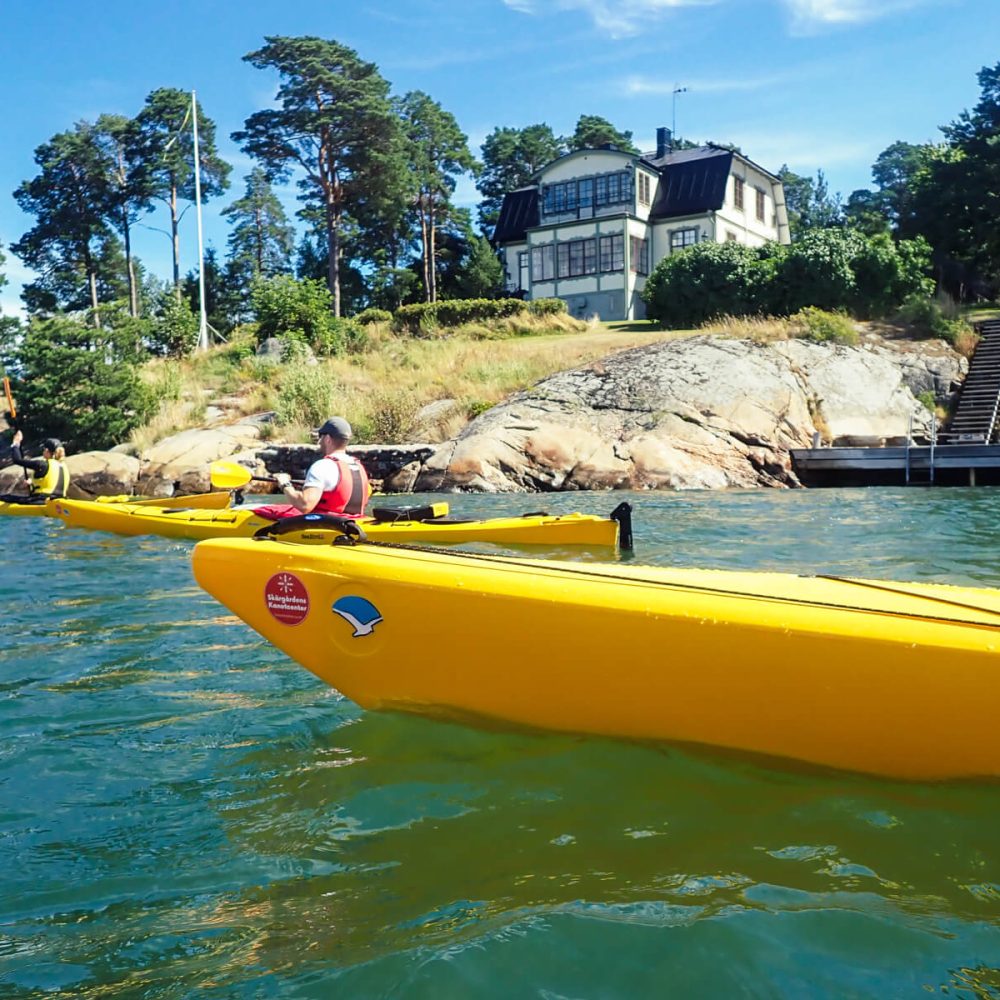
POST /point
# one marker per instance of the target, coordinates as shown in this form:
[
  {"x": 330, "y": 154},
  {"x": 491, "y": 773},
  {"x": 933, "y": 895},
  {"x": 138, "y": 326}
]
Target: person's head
[
  {"x": 52, "y": 448},
  {"x": 334, "y": 434}
]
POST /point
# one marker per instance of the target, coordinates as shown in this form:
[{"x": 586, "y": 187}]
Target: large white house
[{"x": 596, "y": 221}]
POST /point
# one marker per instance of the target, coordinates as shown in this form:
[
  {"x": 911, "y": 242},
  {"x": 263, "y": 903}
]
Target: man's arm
[
  {"x": 303, "y": 500},
  {"x": 39, "y": 466}
]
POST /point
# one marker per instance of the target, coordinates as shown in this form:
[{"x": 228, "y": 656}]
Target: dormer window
[
  {"x": 645, "y": 187},
  {"x": 568, "y": 197}
]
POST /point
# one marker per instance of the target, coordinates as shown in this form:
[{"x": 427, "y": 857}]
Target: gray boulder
[{"x": 698, "y": 413}]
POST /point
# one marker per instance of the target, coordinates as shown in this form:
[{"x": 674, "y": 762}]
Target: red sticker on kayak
[{"x": 287, "y": 598}]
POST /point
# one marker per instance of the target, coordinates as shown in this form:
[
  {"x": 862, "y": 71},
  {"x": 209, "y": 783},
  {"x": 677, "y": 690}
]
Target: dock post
[
  {"x": 933, "y": 442},
  {"x": 909, "y": 437},
  {"x": 972, "y": 476}
]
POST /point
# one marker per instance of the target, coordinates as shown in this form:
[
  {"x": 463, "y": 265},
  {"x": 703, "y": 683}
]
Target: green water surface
[{"x": 184, "y": 812}]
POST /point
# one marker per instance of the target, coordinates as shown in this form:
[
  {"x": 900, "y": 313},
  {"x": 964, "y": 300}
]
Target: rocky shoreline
[{"x": 699, "y": 413}]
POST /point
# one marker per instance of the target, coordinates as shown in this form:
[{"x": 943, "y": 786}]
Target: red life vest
[{"x": 352, "y": 492}]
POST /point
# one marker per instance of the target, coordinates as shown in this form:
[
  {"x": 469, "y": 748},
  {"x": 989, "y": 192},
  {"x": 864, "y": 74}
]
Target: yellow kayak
[
  {"x": 897, "y": 679},
  {"x": 243, "y": 522},
  {"x": 205, "y": 501}
]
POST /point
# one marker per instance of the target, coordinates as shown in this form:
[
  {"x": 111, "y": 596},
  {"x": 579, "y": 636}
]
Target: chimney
[{"x": 664, "y": 142}]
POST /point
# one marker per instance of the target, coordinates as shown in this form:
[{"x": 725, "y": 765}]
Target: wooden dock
[{"x": 913, "y": 465}]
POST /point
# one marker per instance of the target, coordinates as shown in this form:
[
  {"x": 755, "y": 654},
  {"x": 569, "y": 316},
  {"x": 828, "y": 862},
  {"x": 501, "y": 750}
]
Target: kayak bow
[{"x": 892, "y": 679}]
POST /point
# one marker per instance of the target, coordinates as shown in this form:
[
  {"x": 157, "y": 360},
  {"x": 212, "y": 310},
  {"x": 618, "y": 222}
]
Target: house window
[
  {"x": 571, "y": 196},
  {"x": 611, "y": 189},
  {"x": 644, "y": 189},
  {"x": 562, "y": 260},
  {"x": 612, "y": 253},
  {"x": 543, "y": 264},
  {"x": 760, "y": 206},
  {"x": 681, "y": 238},
  {"x": 639, "y": 251},
  {"x": 738, "y": 193},
  {"x": 730, "y": 236},
  {"x": 523, "y": 270}
]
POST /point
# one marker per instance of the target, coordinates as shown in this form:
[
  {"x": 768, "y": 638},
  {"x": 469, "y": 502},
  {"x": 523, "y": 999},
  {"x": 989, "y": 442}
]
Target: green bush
[
  {"x": 703, "y": 282},
  {"x": 830, "y": 269},
  {"x": 78, "y": 383},
  {"x": 285, "y": 307},
  {"x": 826, "y": 327},
  {"x": 423, "y": 319},
  {"x": 372, "y": 315},
  {"x": 174, "y": 332},
  {"x": 548, "y": 307},
  {"x": 930, "y": 318},
  {"x": 389, "y": 418},
  {"x": 305, "y": 395}
]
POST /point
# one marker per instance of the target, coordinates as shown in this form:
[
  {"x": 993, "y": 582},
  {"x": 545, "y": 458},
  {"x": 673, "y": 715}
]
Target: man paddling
[
  {"x": 335, "y": 484},
  {"x": 49, "y": 475}
]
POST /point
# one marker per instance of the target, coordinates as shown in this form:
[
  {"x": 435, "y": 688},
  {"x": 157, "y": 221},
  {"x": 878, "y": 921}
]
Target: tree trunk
[
  {"x": 333, "y": 259},
  {"x": 432, "y": 252},
  {"x": 133, "y": 294},
  {"x": 94, "y": 304},
  {"x": 424, "y": 247},
  {"x": 176, "y": 242},
  {"x": 259, "y": 226}
]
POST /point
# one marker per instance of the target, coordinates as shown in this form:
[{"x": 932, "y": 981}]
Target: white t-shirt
[{"x": 323, "y": 474}]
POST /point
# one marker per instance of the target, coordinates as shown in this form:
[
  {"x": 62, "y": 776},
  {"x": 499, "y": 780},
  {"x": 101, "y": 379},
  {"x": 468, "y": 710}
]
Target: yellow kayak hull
[
  {"x": 543, "y": 529},
  {"x": 26, "y": 509},
  {"x": 205, "y": 501},
  {"x": 893, "y": 679}
]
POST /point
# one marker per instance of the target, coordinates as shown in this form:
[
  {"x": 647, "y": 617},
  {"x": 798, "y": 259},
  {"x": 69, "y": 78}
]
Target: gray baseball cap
[{"x": 336, "y": 427}]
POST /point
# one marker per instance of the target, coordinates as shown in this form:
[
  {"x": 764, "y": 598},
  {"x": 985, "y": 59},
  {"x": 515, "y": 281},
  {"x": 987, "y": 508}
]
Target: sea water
[{"x": 184, "y": 812}]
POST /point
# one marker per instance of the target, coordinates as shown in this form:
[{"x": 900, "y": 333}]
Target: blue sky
[{"x": 816, "y": 84}]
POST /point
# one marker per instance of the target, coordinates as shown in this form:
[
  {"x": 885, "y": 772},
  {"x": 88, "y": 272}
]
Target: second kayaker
[
  {"x": 49, "y": 475},
  {"x": 335, "y": 484}
]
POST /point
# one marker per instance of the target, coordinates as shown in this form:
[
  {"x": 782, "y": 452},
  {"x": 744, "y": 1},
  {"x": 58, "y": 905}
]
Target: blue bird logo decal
[{"x": 360, "y": 614}]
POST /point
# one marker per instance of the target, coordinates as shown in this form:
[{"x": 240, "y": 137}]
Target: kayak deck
[
  {"x": 243, "y": 522},
  {"x": 873, "y": 676},
  {"x": 208, "y": 501}
]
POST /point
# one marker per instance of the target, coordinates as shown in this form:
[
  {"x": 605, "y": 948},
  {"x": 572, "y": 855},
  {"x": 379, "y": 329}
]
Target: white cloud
[
  {"x": 811, "y": 15},
  {"x": 617, "y": 17},
  {"x": 636, "y": 85}
]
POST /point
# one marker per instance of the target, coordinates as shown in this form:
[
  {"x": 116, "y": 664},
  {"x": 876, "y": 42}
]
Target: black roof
[
  {"x": 518, "y": 214},
  {"x": 692, "y": 181}
]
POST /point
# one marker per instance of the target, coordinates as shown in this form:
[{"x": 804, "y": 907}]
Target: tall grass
[{"x": 381, "y": 391}]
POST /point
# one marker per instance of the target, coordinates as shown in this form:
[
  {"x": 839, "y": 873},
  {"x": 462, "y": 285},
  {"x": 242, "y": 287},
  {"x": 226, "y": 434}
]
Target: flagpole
[{"x": 202, "y": 317}]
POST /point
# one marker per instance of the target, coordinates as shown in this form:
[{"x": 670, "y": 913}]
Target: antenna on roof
[{"x": 673, "y": 115}]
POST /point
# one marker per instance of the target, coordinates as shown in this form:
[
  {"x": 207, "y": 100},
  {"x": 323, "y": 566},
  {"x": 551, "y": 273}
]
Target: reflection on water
[{"x": 185, "y": 812}]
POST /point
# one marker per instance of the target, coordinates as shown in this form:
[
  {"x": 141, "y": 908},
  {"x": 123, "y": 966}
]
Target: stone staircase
[{"x": 975, "y": 419}]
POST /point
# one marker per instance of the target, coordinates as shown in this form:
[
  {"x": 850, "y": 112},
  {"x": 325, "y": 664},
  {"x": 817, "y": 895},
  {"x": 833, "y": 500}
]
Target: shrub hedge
[
  {"x": 830, "y": 269},
  {"x": 425, "y": 318}
]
